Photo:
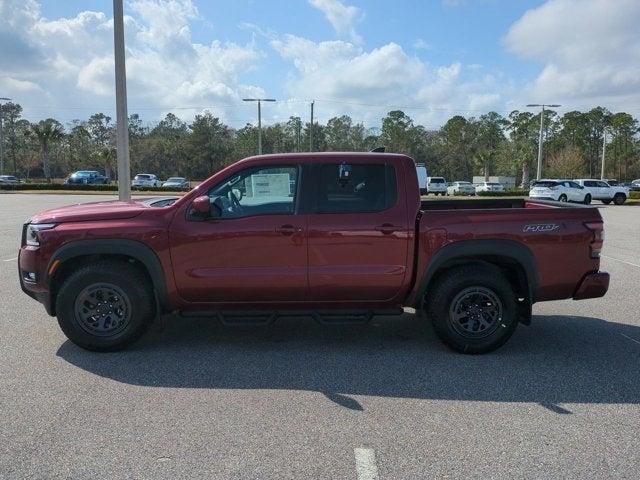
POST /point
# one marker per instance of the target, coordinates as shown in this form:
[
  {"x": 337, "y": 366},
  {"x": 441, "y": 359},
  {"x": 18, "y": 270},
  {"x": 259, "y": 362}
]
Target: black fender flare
[
  {"x": 515, "y": 251},
  {"x": 117, "y": 246}
]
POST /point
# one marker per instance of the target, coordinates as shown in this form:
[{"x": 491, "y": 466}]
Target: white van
[
  {"x": 436, "y": 185},
  {"x": 421, "y": 171}
]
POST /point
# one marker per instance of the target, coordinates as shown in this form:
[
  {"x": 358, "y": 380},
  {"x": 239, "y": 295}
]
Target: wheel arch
[
  {"x": 118, "y": 249},
  {"x": 514, "y": 259}
]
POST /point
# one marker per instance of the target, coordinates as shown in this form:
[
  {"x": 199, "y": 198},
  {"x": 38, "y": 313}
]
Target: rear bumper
[{"x": 593, "y": 285}]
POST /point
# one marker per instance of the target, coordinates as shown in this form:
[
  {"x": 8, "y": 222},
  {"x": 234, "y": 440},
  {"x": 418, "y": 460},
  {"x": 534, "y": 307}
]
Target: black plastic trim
[
  {"x": 510, "y": 249},
  {"x": 131, "y": 248}
]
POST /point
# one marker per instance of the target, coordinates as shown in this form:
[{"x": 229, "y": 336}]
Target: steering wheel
[{"x": 235, "y": 203}]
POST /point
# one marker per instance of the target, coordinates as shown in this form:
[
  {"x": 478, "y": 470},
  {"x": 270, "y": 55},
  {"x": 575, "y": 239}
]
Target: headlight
[{"x": 32, "y": 237}]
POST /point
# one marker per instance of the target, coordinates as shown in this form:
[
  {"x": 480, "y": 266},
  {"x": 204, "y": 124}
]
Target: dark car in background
[
  {"x": 86, "y": 177},
  {"x": 8, "y": 180}
]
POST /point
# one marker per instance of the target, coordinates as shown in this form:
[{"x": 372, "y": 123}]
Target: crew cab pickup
[{"x": 337, "y": 236}]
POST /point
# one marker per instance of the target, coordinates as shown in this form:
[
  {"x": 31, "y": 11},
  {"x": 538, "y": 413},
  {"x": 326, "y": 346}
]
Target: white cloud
[
  {"x": 69, "y": 61},
  {"x": 420, "y": 44},
  {"x": 342, "y": 17},
  {"x": 345, "y": 78},
  {"x": 590, "y": 51}
]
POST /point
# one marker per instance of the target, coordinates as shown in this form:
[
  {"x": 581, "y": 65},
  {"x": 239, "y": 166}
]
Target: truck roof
[{"x": 310, "y": 157}]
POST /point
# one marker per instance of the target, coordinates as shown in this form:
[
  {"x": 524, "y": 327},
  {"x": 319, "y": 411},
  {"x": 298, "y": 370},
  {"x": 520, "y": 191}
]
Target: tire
[
  {"x": 619, "y": 198},
  {"x": 474, "y": 283},
  {"x": 587, "y": 199},
  {"x": 606, "y": 202},
  {"x": 562, "y": 198},
  {"x": 106, "y": 281}
]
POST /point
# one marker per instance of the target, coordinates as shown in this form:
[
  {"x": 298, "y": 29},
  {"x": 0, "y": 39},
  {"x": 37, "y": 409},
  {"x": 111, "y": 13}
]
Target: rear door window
[{"x": 356, "y": 188}]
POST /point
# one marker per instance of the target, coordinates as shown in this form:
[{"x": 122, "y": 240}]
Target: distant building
[{"x": 508, "y": 182}]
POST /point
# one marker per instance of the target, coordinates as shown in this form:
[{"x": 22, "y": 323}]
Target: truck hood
[{"x": 82, "y": 212}]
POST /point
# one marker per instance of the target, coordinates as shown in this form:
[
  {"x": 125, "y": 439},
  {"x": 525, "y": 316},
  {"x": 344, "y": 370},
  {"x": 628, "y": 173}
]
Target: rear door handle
[
  {"x": 288, "y": 229},
  {"x": 387, "y": 228}
]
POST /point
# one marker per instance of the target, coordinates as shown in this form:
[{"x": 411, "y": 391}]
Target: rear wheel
[
  {"x": 562, "y": 198},
  {"x": 587, "y": 199},
  {"x": 619, "y": 198},
  {"x": 473, "y": 309},
  {"x": 105, "y": 306}
]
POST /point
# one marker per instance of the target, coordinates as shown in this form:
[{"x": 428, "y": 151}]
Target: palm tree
[{"x": 46, "y": 132}]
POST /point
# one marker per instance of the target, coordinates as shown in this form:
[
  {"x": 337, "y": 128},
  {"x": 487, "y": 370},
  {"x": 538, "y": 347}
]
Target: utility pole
[
  {"x": 604, "y": 148},
  {"x": 540, "y": 138},
  {"x": 122, "y": 117},
  {"x": 311, "y": 129},
  {"x": 2, "y": 99},
  {"x": 259, "y": 101}
]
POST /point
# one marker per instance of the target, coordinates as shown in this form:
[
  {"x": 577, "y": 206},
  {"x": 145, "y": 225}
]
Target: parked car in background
[
  {"x": 489, "y": 187},
  {"x": 177, "y": 183},
  {"x": 86, "y": 177},
  {"x": 421, "y": 171},
  {"x": 146, "y": 180},
  {"x": 560, "y": 191},
  {"x": 601, "y": 190},
  {"x": 461, "y": 188},
  {"x": 436, "y": 185},
  {"x": 8, "y": 180},
  {"x": 634, "y": 186}
]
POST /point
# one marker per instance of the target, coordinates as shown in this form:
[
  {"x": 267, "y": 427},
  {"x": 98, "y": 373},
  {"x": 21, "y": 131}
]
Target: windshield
[
  {"x": 175, "y": 179},
  {"x": 493, "y": 184},
  {"x": 464, "y": 184},
  {"x": 82, "y": 174},
  {"x": 437, "y": 180},
  {"x": 142, "y": 177},
  {"x": 545, "y": 184}
]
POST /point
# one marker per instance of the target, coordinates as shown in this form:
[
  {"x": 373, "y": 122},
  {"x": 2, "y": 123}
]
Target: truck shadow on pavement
[{"x": 557, "y": 360}]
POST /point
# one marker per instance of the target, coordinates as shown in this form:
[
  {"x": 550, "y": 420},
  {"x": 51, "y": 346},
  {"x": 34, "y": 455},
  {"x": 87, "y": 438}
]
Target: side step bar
[{"x": 264, "y": 317}]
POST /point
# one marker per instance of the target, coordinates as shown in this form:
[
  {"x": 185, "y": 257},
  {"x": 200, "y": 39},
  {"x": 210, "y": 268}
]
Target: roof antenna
[{"x": 377, "y": 150}]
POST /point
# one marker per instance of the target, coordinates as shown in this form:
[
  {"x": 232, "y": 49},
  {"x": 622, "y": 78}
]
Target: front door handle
[
  {"x": 387, "y": 228},
  {"x": 288, "y": 229}
]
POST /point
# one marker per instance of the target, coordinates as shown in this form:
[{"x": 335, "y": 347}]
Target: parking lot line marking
[
  {"x": 632, "y": 339},
  {"x": 366, "y": 467},
  {"x": 623, "y": 261},
  {"x": 10, "y": 259}
]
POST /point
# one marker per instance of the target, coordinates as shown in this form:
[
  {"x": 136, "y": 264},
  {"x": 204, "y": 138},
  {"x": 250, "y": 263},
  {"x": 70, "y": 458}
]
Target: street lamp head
[
  {"x": 534, "y": 105},
  {"x": 258, "y": 99},
  {"x": 268, "y": 99},
  {"x": 5, "y": 99},
  {"x": 250, "y": 99},
  {"x": 554, "y": 105}
]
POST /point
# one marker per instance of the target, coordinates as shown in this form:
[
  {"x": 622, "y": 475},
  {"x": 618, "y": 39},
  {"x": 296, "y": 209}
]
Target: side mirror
[{"x": 201, "y": 206}]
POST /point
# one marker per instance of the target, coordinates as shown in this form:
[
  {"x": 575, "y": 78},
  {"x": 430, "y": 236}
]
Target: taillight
[
  {"x": 553, "y": 187},
  {"x": 595, "y": 247}
]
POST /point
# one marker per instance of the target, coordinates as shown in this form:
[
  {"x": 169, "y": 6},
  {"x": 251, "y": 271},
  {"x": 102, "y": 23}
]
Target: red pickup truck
[{"x": 338, "y": 236}]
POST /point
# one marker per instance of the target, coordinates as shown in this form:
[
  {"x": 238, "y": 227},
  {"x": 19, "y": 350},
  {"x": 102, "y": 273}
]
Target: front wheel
[
  {"x": 619, "y": 198},
  {"x": 587, "y": 199},
  {"x": 562, "y": 198},
  {"x": 472, "y": 308},
  {"x": 105, "y": 306}
]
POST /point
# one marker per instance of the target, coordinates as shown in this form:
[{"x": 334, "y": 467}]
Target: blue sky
[{"x": 434, "y": 58}]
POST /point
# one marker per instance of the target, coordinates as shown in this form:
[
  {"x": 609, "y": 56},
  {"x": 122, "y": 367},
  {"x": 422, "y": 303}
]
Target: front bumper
[
  {"x": 593, "y": 285},
  {"x": 29, "y": 260}
]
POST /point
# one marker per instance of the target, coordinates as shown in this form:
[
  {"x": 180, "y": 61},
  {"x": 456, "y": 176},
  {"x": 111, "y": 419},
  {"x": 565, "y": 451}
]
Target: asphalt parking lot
[{"x": 197, "y": 400}]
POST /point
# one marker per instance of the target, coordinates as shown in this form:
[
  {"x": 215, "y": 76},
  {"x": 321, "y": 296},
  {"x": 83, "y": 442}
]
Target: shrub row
[
  {"x": 90, "y": 188},
  {"x": 516, "y": 192},
  {"x": 634, "y": 195}
]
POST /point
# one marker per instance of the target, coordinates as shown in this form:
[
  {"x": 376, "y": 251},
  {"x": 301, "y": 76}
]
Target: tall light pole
[
  {"x": 539, "y": 171},
  {"x": 122, "y": 117},
  {"x": 311, "y": 129},
  {"x": 259, "y": 101},
  {"x": 2, "y": 99},
  {"x": 604, "y": 148}
]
